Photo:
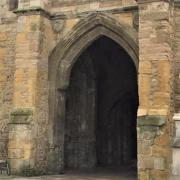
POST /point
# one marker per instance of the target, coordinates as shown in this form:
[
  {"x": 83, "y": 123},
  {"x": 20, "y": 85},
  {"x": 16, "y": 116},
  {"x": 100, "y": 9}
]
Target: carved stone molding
[
  {"x": 21, "y": 116},
  {"x": 58, "y": 25},
  {"x": 40, "y": 11},
  {"x": 32, "y": 11},
  {"x": 150, "y": 1}
]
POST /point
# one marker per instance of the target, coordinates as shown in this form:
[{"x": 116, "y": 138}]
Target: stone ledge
[
  {"x": 151, "y": 1},
  {"x": 151, "y": 120},
  {"x": 40, "y": 11},
  {"x": 32, "y": 11},
  {"x": 82, "y": 14},
  {"x": 22, "y": 111},
  {"x": 21, "y": 116}
]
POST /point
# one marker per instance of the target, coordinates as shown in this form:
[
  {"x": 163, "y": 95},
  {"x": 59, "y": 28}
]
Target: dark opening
[{"x": 101, "y": 109}]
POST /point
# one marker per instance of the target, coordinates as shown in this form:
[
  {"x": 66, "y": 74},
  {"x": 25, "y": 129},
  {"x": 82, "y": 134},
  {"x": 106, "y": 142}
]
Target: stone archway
[
  {"x": 101, "y": 109},
  {"x": 62, "y": 60}
]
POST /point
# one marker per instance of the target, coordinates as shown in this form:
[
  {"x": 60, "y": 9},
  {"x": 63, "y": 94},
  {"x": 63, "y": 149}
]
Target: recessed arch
[
  {"x": 101, "y": 107},
  {"x": 82, "y": 35},
  {"x": 67, "y": 52}
]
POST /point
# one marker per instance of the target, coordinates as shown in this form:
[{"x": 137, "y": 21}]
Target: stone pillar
[
  {"x": 22, "y": 131},
  {"x": 176, "y": 118},
  {"x": 20, "y": 142},
  {"x": 155, "y": 89},
  {"x": 177, "y": 55}
]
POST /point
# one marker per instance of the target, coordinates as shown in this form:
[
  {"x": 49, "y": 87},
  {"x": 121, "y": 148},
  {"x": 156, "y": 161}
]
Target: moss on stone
[
  {"x": 21, "y": 116},
  {"x": 54, "y": 162},
  {"x": 151, "y": 120},
  {"x": 22, "y": 10},
  {"x": 31, "y": 10},
  {"x": 22, "y": 111},
  {"x": 29, "y": 172}
]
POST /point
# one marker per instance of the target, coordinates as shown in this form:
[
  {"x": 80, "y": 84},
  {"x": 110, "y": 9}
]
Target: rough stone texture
[
  {"x": 69, "y": 6},
  {"x": 177, "y": 59},
  {"x": 156, "y": 88},
  {"x": 7, "y": 68},
  {"x": 41, "y": 41},
  {"x": 20, "y": 141}
]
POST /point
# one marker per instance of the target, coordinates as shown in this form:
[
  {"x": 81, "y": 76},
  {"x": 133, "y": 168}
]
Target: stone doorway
[{"x": 101, "y": 109}]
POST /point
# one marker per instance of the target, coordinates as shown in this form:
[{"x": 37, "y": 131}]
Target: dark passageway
[{"x": 101, "y": 109}]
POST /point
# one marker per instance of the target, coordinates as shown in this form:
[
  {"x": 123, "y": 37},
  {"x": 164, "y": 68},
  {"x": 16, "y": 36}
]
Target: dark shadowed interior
[{"x": 101, "y": 109}]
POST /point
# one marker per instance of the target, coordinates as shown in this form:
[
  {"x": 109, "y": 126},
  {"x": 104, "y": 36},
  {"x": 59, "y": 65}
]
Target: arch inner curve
[{"x": 101, "y": 109}]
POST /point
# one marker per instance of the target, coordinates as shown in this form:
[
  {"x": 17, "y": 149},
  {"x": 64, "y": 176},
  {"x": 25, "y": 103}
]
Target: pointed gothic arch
[
  {"x": 82, "y": 35},
  {"x": 67, "y": 52}
]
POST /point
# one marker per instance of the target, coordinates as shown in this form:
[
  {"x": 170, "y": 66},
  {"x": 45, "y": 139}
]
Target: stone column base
[{"x": 20, "y": 142}]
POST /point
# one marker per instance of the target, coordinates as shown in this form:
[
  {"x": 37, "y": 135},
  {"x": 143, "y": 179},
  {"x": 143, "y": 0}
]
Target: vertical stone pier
[
  {"x": 176, "y": 118},
  {"x": 22, "y": 127},
  {"x": 155, "y": 89},
  {"x": 20, "y": 142}
]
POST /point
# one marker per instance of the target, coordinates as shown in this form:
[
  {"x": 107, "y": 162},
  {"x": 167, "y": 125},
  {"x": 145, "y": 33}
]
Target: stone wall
[
  {"x": 42, "y": 139},
  {"x": 7, "y": 68},
  {"x": 28, "y": 38},
  {"x": 34, "y": 41},
  {"x": 77, "y": 6},
  {"x": 155, "y": 89},
  {"x": 177, "y": 58},
  {"x": 176, "y": 145}
]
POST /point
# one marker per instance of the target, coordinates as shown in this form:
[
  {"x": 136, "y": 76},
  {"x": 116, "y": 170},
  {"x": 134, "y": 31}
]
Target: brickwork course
[{"x": 86, "y": 83}]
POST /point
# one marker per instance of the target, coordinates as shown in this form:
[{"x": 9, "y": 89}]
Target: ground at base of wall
[
  {"x": 71, "y": 177},
  {"x": 77, "y": 177},
  {"x": 175, "y": 178},
  {"x": 130, "y": 175}
]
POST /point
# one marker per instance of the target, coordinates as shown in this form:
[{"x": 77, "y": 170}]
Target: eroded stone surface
[{"x": 28, "y": 39}]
